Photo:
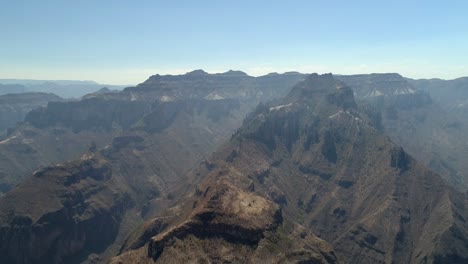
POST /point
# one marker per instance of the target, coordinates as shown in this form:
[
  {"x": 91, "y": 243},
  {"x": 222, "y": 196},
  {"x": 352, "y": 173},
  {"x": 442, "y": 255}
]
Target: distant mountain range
[
  {"x": 62, "y": 88},
  {"x": 230, "y": 168}
]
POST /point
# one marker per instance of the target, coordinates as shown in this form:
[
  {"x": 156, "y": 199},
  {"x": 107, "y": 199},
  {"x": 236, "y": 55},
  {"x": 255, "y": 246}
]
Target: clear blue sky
[{"x": 123, "y": 42}]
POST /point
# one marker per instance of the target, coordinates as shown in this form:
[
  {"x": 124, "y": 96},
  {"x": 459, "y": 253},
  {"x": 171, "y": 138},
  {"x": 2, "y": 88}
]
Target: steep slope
[
  {"x": 412, "y": 118},
  {"x": 65, "y": 130},
  {"x": 331, "y": 171}
]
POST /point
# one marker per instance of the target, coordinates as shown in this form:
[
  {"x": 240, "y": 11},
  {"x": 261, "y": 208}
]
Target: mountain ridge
[{"x": 328, "y": 168}]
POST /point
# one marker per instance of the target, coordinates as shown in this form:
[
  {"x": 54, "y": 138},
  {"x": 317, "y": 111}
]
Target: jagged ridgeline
[{"x": 336, "y": 178}]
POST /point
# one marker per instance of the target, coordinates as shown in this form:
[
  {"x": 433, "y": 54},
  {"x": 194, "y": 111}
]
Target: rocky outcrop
[
  {"x": 232, "y": 215},
  {"x": 226, "y": 220},
  {"x": 60, "y": 225}
]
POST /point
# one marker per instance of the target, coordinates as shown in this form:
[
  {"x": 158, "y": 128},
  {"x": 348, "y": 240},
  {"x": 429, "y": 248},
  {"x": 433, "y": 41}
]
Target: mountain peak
[
  {"x": 234, "y": 73},
  {"x": 197, "y": 72}
]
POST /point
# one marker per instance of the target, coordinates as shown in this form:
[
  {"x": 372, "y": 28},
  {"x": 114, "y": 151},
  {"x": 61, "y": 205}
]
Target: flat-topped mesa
[
  {"x": 371, "y": 78},
  {"x": 195, "y": 75},
  {"x": 194, "y": 84},
  {"x": 199, "y": 84},
  {"x": 379, "y": 85}
]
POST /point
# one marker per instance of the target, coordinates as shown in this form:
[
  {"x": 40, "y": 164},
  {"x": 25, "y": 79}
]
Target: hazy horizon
[
  {"x": 120, "y": 42},
  {"x": 12, "y": 80}
]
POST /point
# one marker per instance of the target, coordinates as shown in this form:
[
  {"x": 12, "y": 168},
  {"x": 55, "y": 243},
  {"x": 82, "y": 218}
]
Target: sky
[{"x": 125, "y": 42}]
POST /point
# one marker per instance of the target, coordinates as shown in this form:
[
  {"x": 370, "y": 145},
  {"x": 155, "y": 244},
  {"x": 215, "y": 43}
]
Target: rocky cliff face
[
  {"x": 89, "y": 114},
  {"x": 14, "y": 107},
  {"x": 65, "y": 130},
  {"x": 227, "y": 221},
  {"x": 354, "y": 187},
  {"x": 337, "y": 175},
  {"x": 52, "y": 226}
]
